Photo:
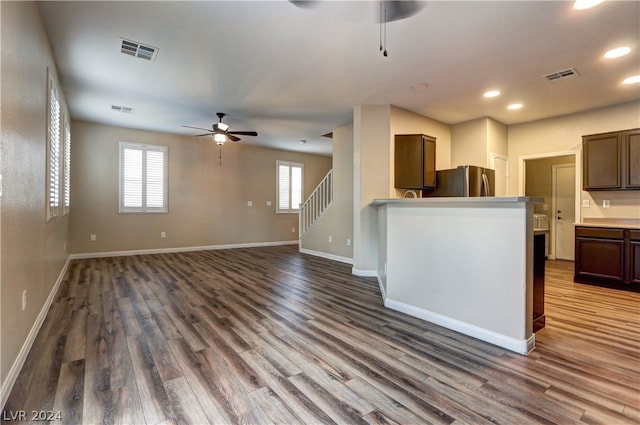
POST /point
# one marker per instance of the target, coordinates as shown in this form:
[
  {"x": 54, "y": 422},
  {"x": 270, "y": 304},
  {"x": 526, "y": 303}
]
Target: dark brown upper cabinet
[
  {"x": 611, "y": 161},
  {"x": 415, "y": 161}
]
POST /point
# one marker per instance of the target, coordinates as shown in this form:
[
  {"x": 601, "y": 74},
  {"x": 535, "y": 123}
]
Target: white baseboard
[
  {"x": 16, "y": 367},
  {"x": 364, "y": 273},
  {"x": 327, "y": 255},
  {"x": 178, "y": 249},
  {"x": 383, "y": 291},
  {"x": 519, "y": 346}
]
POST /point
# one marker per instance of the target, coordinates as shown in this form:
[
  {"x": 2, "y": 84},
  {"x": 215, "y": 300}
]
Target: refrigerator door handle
[{"x": 485, "y": 185}]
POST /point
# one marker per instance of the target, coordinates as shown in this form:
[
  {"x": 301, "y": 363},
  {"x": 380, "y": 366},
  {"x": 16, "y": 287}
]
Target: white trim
[
  {"x": 364, "y": 273},
  {"x": 578, "y": 163},
  {"x": 16, "y": 367},
  {"x": 383, "y": 291},
  {"x": 523, "y": 346},
  {"x": 177, "y": 249},
  {"x": 327, "y": 255}
]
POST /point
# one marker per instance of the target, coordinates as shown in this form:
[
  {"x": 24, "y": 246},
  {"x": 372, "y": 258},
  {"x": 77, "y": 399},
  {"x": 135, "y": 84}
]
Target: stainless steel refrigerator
[{"x": 466, "y": 180}]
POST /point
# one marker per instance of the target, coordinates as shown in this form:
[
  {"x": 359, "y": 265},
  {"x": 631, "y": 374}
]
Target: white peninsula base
[{"x": 462, "y": 263}]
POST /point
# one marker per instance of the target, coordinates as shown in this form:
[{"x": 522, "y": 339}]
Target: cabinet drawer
[
  {"x": 599, "y": 232},
  {"x": 634, "y": 235}
]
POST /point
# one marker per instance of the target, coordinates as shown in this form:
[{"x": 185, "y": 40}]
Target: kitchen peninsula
[{"x": 462, "y": 263}]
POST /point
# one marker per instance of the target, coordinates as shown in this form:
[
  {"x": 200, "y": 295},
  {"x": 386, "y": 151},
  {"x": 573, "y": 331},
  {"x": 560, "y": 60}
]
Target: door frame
[
  {"x": 552, "y": 227},
  {"x": 577, "y": 153}
]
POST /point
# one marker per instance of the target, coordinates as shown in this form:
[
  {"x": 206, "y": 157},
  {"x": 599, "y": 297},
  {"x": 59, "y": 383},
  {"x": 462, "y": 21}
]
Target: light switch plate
[
  {"x": 606, "y": 203},
  {"x": 249, "y": 203},
  {"x": 585, "y": 203}
]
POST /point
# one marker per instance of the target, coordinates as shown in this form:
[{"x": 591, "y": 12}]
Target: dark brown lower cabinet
[
  {"x": 539, "y": 258},
  {"x": 606, "y": 255},
  {"x": 634, "y": 257}
]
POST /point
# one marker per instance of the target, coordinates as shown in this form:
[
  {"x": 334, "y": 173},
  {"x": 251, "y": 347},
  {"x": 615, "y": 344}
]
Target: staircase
[{"x": 316, "y": 204}]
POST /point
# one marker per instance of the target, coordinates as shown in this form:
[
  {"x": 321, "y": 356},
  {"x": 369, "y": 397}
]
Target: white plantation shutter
[
  {"x": 283, "y": 187},
  {"x": 53, "y": 163},
  {"x": 143, "y": 178},
  {"x": 67, "y": 168},
  {"x": 290, "y": 181}
]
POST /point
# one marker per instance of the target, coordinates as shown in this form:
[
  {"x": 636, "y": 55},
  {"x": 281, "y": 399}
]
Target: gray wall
[
  {"x": 33, "y": 250},
  {"x": 207, "y": 202}
]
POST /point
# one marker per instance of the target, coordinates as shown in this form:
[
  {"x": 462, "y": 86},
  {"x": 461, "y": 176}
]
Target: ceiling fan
[
  {"x": 220, "y": 131},
  {"x": 392, "y": 10},
  {"x": 389, "y": 11}
]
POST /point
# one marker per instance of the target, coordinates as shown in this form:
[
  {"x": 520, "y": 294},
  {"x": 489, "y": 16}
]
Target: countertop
[
  {"x": 619, "y": 223},
  {"x": 461, "y": 201}
]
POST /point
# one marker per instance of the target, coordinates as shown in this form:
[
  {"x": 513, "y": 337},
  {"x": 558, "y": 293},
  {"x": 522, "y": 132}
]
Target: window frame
[
  {"x": 52, "y": 196},
  {"x": 291, "y": 209},
  {"x": 144, "y": 149}
]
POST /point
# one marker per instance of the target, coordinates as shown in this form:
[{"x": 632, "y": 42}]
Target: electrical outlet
[
  {"x": 92, "y": 237},
  {"x": 330, "y": 239},
  {"x": 606, "y": 203},
  {"x": 293, "y": 230},
  {"x": 24, "y": 300},
  {"x": 585, "y": 203},
  {"x": 268, "y": 203},
  {"x": 249, "y": 203},
  {"x": 163, "y": 235},
  {"x": 348, "y": 242}
]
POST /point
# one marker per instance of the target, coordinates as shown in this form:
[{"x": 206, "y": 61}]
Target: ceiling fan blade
[
  {"x": 233, "y": 138},
  {"x": 303, "y": 3},
  {"x": 200, "y": 135},
  {"x": 243, "y": 133},
  {"x": 197, "y": 128},
  {"x": 401, "y": 9}
]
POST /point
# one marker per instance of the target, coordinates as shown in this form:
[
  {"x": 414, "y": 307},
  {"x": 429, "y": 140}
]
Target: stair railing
[{"x": 316, "y": 204}]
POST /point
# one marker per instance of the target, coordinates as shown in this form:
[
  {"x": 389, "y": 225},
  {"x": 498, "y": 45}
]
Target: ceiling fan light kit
[{"x": 221, "y": 134}]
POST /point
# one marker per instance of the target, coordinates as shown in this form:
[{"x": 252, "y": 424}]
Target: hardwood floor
[{"x": 269, "y": 335}]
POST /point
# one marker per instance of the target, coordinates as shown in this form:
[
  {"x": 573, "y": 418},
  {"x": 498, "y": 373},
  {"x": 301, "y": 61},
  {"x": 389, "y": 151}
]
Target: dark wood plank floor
[{"x": 268, "y": 335}]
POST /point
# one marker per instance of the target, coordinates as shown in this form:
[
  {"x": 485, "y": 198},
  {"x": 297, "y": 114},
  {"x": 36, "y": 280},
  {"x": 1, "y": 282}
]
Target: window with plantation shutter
[
  {"x": 143, "y": 178},
  {"x": 289, "y": 180},
  {"x": 53, "y": 152},
  {"x": 66, "y": 174}
]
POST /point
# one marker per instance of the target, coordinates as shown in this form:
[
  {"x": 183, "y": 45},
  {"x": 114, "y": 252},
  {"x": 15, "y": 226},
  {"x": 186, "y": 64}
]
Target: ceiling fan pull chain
[
  {"x": 380, "y": 25},
  {"x": 384, "y": 53},
  {"x": 220, "y": 155}
]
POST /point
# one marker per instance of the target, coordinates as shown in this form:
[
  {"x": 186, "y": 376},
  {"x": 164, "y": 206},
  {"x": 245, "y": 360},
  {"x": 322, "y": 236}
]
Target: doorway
[{"x": 539, "y": 178}]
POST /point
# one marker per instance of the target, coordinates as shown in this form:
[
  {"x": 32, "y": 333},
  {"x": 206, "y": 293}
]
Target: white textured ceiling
[{"x": 293, "y": 73}]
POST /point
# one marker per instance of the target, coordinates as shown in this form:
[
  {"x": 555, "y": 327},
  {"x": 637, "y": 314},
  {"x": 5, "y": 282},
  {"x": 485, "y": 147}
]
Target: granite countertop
[
  {"x": 620, "y": 223},
  {"x": 457, "y": 200}
]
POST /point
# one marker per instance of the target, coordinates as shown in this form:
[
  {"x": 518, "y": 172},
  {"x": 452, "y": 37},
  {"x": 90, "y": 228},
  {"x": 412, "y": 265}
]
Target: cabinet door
[
  {"x": 600, "y": 259},
  {"x": 632, "y": 163},
  {"x": 601, "y": 161},
  {"x": 634, "y": 257},
  {"x": 429, "y": 162},
  {"x": 414, "y": 161}
]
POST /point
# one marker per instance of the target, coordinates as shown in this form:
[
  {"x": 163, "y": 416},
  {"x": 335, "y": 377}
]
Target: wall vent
[
  {"x": 123, "y": 109},
  {"x": 138, "y": 50},
  {"x": 561, "y": 75}
]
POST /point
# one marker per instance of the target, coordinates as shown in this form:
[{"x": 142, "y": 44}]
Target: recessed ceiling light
[
  {"x": 585, "y": 4},
  {"x": 514, "y": 106},
  {"x": 492, "y": 93},
  {"x": 419, "y": 86},
  {"x": 617, "y": 52},
  {"x": 632, "y": 80}
]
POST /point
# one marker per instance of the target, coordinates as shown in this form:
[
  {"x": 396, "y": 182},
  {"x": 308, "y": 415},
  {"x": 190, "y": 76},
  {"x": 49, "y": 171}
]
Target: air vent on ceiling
[
  {"x": 135, "y": 49},
  {"x": 123, "y": 109},
  {"x": 561, "y": 75}
]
